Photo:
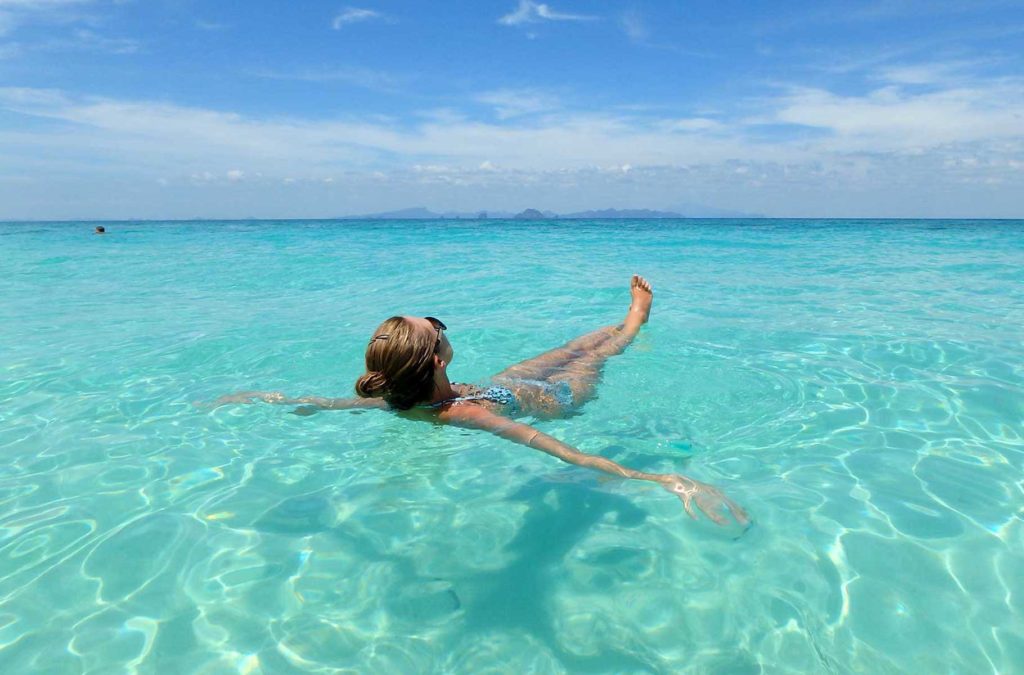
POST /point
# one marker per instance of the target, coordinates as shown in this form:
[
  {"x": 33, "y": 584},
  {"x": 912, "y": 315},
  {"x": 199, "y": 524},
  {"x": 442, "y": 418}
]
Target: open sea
[{"x": 858, "y": 386}]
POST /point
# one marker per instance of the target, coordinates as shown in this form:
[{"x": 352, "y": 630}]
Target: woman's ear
[{"x": 439, "y": 362}]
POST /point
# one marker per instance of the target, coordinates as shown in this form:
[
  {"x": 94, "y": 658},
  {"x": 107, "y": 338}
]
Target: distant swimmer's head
[
  {"x": 401, "y": 359},
  {"x": 100, "y": 229}
]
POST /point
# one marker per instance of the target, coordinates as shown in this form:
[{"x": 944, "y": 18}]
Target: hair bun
[{"x": 371, "y": 384}]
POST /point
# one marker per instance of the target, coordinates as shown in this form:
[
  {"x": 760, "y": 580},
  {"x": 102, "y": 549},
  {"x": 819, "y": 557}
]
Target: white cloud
[
  {"x": 510, "y": 103},
  {"x": 156, "y": 136},
  {"x": 31, "y": 99},
  {"x": 887, "y": 120},
  {"x": 533, "y": 12},
  {"x": 351, "y": 15},
  {"x": 891, "y": 139},
  {"x": 39, "y": 4},
  {"x": 891, "y": 118},
  {"x": 16, "y": 13},
  {"x": 88, "y": 40},
  {"x": 941, "y": 73},
  {"x": 694, "y": 125}
]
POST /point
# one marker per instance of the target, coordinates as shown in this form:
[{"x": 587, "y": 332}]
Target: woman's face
[{"x": 445, "y": 351}]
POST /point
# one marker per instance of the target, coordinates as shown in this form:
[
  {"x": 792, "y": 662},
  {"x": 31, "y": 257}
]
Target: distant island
[
  {"x": 622, "y": 214},
  {"x": 423, "y": 213}
]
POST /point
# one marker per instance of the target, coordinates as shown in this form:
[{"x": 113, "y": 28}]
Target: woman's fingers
[
  {"x": 710, "y": 500},
  {"x": 737, "y": 512},
  {"x": 712, "y": 508},
  {"x": 688, "y": 505}
]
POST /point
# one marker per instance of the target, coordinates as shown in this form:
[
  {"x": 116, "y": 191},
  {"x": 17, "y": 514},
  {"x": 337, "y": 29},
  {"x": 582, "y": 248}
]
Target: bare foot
[{"x": 643, "y": 296}]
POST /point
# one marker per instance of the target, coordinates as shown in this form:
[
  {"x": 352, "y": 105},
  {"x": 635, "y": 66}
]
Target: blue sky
[{"x": 190, "y": 108}]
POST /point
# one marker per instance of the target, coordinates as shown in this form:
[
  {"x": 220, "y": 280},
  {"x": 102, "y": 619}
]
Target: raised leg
[
  {"x": 582, "y": 373},
  {"x": 577, "y": 365}
]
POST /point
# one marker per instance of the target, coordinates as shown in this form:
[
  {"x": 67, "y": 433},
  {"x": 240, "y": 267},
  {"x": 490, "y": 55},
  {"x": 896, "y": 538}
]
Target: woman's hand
[{"x": 709, "y": 499}]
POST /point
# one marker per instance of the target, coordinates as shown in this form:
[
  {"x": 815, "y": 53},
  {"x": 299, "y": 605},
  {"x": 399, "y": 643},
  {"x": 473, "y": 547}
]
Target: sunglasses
[
  {"x": 439, "y": 326},
  {"x": 436, "y": 323}
]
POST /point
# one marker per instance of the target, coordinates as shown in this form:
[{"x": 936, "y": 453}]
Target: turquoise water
[{"x": 857, "y": 386}]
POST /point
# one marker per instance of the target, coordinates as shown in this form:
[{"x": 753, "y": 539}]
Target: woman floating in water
[{"x": 407, "y": 372}]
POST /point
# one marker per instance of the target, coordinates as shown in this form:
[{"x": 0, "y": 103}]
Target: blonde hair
[{"x": 399, "y": 364}]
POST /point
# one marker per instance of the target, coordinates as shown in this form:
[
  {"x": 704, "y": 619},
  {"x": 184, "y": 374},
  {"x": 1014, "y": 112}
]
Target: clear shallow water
[{"x": 858, "y": 386}]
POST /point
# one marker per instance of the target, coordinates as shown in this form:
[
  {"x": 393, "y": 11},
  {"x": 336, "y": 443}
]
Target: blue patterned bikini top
[{"x": 494, "y": 394}]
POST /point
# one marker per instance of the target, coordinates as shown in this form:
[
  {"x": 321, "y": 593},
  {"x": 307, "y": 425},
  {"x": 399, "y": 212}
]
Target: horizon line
[{"x": 11, "y": 221}]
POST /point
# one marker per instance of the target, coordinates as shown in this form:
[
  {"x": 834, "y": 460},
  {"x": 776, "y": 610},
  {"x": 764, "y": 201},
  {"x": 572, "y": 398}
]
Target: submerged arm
[
  {"x": 708, "y": 499},
  {"x": 309, "y": 404}
]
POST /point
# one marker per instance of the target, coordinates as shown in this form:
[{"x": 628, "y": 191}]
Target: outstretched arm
[
  {"x": 309, "y": 404},
  {"x": 707, "y": 498}
]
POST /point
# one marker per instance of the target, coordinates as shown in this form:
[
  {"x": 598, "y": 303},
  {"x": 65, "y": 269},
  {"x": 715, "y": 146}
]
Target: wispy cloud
[
  {"x": 894, "y": 119},
  {"x": 351, "y": 15},
  {"x": 17, "y": 13},
  {"x": 634, "y": 26},
  {"x": 534, "y": 12},
  {"x": 694, "y": 125},
  {"x": 510, "y": 103},
  {"x": 933, "y": 73},
  {"x": 202, "y": 24},
  {"x": 884, "y": 140},
  {"x": 876, "y": 11},
  {"x": 39, "y": 4},
  {"x": 888, "y": 120},
  {"x": 195, "y": 136},
  {"x": 82, "y": 40},
  {"x": 637, "y": 29},
  {"x": 92, "y": 41},
  {"x": 366, "y": 78},
  {"x": 13, "y": 13}
]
